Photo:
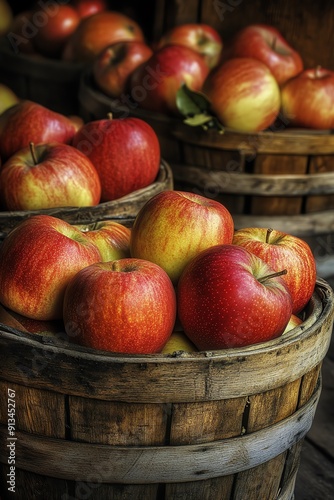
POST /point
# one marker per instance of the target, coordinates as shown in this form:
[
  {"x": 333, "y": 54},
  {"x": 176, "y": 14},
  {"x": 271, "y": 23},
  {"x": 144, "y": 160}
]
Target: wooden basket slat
[{"x": 68, "y": 459}]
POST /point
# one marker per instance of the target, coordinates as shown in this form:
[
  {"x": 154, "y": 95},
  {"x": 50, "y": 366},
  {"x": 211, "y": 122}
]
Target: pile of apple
[
  {"x": 181, "y": 276},
  {"x": 63, "y": 31},
  {"x": 249, "y": 83},
  {"x": 51, "y": 160}
]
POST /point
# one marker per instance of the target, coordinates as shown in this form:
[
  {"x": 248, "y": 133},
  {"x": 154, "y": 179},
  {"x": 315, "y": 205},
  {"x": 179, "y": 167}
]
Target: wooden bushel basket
[
  {"x": 281, "y": 178},
  {"x": 50, "y": 82},
  {"x": 205, "y": 425},
  {"x": 124, "y": 209}
]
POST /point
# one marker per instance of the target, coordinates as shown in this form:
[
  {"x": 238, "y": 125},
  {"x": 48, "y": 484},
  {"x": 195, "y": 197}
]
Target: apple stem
[
  {"x": 317, "y": 71},
  {"x": 33, "y": 152},
  {"x": 269, "y": 231},
  {"x": 109, "y": 115},
  {"x": 273, "y": 275}
]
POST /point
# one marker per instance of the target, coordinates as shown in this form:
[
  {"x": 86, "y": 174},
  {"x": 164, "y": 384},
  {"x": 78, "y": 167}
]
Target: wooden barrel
[
  {"x": 215, "y": 425},
  {"x": 49, "y": 82},
  {"x": 124, "y": 209}
]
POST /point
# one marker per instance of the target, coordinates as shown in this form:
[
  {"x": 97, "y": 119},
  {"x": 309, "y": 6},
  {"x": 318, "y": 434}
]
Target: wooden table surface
[{"x": 315, "y": 479}]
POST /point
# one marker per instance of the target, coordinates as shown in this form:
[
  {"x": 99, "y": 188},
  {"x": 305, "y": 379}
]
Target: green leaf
[
  {"x": 196, "y": 109},
  {"x": 191, "y": 103}
]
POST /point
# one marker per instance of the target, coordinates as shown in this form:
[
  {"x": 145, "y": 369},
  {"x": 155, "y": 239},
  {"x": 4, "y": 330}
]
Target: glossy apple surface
[
  {"x": 87, "y": 8},
  {"x": 28, "y": 122},
  {"x": 227, "y": 299},
  {"x": 37, "y": 259},
  {"x": 281, "y": 250},
  {"x": 111, "y": 238},
  {"x": 115, "y": 63},
  {"x": 124, "y": 151},
  {"x": 251, "y": 99},
  {"x": 49, "y": 175},
  {"x": 127, "y": 306},
  {"x": 97, "y": 32},
  {"x": 307, "y": 99},
  {"x": 174, "y": 226},
  {"x": 268, "y": 45},
  {"x": 54, "y": 27},
  {"x": 198, "y": 36},
  {"x": 153, "y": 85}
]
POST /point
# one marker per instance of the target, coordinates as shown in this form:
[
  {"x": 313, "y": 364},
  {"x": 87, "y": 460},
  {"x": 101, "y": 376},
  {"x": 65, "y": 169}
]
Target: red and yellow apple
[
  {"x": 268, "y": 45},
  {"x": 127, "y": 305},
  {"x": 28, "y": 121},
  {"x": 111, "y": 238},
  {"x": 228, "y": 297},
  {"x": 37, "y": 260},
  {"x": 124, "y": 151},
  {"x": 112, "y": 67},
  {"x": 49, "y": 175},
  {"x": 96, "y": 32},
  {"x": 174, "y": 226},
  {"x": 294, "y": 321},
  {"x": 198, "y": 36},
  {"x": 307, "y": 99},
  {"x": 154, "y": 84},
  {"x": 282, "y": 250},
  {"x": 244, "y": 94}
]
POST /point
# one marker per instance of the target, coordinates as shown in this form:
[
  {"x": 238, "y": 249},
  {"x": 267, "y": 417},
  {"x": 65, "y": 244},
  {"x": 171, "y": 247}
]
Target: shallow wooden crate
[
  {"x": 215, "y": 425},
  {"x": 123, "y": 210}
]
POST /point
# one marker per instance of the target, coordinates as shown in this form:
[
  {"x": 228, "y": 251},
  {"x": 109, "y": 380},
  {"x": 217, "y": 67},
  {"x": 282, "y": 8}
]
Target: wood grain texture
[{"x": 140, "y": 465}]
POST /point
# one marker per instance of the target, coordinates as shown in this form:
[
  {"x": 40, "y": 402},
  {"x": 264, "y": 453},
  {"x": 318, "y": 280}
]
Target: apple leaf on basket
[{"x": 196, "y": 109}]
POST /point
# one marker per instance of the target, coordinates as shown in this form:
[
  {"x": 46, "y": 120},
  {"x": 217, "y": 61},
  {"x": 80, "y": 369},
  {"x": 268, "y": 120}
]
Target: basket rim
[{"x": 321, "y": 307}]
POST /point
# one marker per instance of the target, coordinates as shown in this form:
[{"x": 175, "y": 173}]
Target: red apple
[
  {"x": 49, "y": 175},
  {"x": 282, "y": 250},
  {"x": 198, "y": 36},
  {"x": 154, "y": 84},
  {"x": 97, "y": 32},
  {"x": 174, "y": 226},
  {"x": 111, "y": 238},
  {"x": 250, "y": 101},
  {"x": 294, "y": 321},
  {"x": 87, "y": 8},
  {"x": 307, "y": 99},
  {"x": 124, "y": 151},
  {"x": 268, "y": 45},
  {"x": 28, "y": 122},
  {"x": 114, "y": 64},
  {"x": 229, "y": 297},
  {"x": 55, "y": 24},
  {"x": 127, "y": 306},
  {"x": 37, "y": 260}
]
